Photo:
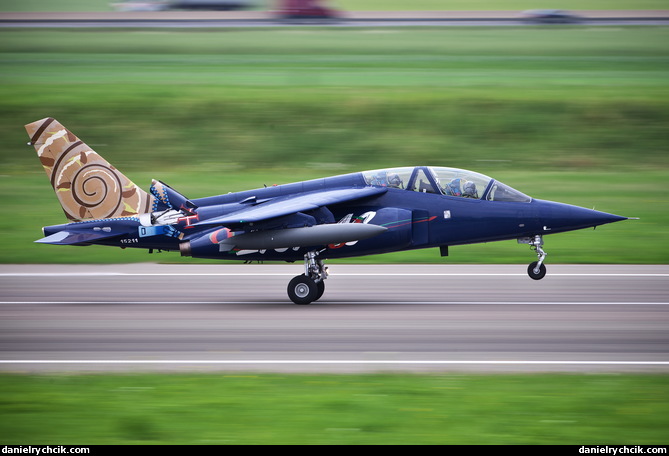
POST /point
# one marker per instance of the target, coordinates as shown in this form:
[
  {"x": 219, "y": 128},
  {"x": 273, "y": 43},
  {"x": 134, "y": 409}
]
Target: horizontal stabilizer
[
  {"x": 302, "y": 237},
  {"x": 82, "y": 233},
  {"x": 74, "y": 237}
]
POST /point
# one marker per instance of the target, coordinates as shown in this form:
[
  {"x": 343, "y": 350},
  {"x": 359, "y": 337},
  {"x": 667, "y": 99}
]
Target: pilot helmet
[
  {"x": 380, "y": 178},
  {"x": 454, "y": 187},
  {"x": 469, "y": 190},
  {"x": 394, "y": 180}
]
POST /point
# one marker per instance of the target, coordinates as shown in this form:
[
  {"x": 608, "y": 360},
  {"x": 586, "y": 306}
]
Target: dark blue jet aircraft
[{"x": 363, "y": 213}]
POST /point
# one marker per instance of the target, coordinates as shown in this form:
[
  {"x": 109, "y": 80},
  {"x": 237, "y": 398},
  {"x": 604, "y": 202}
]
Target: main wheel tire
[
  {"x": 536, "y": 275},
  {"x": 302, "y": 290}
]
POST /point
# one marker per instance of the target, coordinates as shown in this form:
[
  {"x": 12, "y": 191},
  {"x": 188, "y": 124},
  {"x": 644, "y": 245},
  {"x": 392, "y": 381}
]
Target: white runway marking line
[{"x": 262, "y": 361}]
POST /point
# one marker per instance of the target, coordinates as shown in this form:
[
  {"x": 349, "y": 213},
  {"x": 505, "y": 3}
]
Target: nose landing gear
[
  {"x": 537, "y": 269},
  {"x": 309, "y": 287}
]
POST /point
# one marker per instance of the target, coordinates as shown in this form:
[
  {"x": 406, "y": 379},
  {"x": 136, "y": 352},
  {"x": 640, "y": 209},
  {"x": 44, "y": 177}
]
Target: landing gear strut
[
  {"x": 536, "y": 270},
  {"x": 309, "y": 287}
]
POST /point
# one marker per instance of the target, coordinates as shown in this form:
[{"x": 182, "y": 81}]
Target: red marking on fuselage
[{"x": 189, "y": 220}]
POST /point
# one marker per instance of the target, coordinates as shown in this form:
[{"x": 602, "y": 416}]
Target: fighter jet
[{"x": 350, "y": 215}]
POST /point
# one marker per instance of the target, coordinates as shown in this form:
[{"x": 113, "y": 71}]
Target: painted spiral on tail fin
[
  {"x": 94, "y": 190},
  {"x": 87, "y": 186}
]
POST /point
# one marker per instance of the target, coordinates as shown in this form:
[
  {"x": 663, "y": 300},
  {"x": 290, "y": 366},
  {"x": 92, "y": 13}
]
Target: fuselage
[{"x": 421, "y": 207}]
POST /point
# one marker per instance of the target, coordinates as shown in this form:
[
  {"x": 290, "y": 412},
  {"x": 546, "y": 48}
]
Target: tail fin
[{"x": 87, "y": 186}]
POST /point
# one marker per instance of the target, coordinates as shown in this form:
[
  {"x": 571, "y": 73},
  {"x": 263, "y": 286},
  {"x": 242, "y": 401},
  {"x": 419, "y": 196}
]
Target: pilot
[
  {"x": 394, "y": 180},
  {"x": 469, "y": 190},
  {"x": 380, "y": 179},
  {"x": 453, "y": 188}
]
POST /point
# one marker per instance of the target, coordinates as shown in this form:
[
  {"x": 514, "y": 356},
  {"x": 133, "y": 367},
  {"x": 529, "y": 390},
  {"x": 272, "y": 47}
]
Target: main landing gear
[
  {"x": 309, "y": 287},
  {"x": 537, "y": 269}
]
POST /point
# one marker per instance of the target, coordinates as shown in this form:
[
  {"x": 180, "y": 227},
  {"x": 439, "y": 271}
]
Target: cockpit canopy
[{"x": 444, "y": 181}]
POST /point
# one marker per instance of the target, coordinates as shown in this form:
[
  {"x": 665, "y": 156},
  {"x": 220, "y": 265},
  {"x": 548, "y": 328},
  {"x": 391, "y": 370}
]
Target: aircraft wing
[
  {"x": 75, "y": 237},
  {"x": 287, "y": 205}
]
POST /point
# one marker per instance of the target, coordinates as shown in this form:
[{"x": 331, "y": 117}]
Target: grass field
[{"x": 373, "y": 409}]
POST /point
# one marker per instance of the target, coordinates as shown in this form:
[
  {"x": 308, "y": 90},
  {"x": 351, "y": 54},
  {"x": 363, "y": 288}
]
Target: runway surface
[{"x": 429, "y": 318}]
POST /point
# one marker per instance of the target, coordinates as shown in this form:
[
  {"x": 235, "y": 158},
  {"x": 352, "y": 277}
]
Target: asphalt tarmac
[{"x": 397, "y": 318}]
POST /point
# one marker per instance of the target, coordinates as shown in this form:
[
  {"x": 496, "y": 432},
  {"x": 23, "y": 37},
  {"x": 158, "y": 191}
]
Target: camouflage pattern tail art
[{"x": 87, "y": 186}]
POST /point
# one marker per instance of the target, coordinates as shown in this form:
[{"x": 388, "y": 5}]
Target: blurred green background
[{"x": 574, "y": 114}]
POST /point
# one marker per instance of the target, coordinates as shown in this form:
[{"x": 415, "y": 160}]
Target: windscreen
[{"x": 502, "y": 192}]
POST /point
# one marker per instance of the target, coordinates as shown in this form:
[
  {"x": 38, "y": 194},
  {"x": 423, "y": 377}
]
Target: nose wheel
[
  {"x": 537, "y": 269},
  {"x": 309, "y": 287}
]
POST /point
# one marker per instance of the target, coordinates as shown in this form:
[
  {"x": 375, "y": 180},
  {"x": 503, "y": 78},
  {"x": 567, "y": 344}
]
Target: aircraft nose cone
[{"x": 565, "y": 217}]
